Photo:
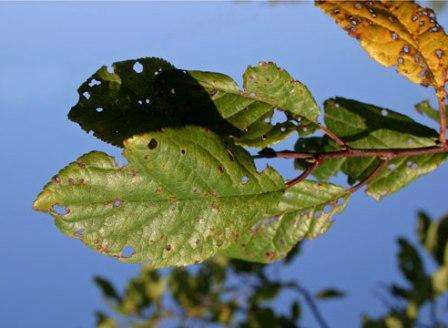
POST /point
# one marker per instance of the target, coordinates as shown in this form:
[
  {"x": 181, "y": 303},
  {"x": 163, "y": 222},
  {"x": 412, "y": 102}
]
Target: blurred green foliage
[{"x": 232, "y": 293}]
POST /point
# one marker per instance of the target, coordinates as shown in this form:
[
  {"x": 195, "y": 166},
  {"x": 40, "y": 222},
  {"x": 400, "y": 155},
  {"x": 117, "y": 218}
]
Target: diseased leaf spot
[
  {"x": 221, "y": 169},
  {"x": 439, "y": 53},
  {"x": 117, "y": 202},
  {"x": 392, "y": 167},
  {"x": 183, "y": 151},
  {"x": 138, "y": 68},
  {"x": 60, "y": 210},
  {"x": 270, "y": 255},
  {"x": 127, "y": 251},
  {"x": 168, "y": 248},
  {"x": 79, "y": 233},
  {"x": 152, "y": 144}
]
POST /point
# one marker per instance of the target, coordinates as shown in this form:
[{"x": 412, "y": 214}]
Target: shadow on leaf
[{"x": 143, "y": 95}]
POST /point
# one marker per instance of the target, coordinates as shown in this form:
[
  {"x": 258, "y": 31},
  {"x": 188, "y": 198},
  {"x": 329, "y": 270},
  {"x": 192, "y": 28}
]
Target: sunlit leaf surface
[
  {"x": 397, "y": 33},
  {"x": 183, "y": 197}
]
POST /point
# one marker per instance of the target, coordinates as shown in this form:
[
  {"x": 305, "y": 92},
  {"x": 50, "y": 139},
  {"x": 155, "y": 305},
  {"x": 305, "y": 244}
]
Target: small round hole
[
  {"x": 138, "y": 68},
  {"x": 244, "y": 179},
  {"x": 152, "y": 144},
  {"x": 60, "y": 210},
  {"x": 127, "y": 251}
]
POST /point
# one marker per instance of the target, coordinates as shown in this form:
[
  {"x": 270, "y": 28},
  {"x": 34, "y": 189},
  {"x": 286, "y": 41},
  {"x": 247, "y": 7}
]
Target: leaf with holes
[
  {"x": 272, "y": 239},
  {"x": 365, "y": 126},
  {"x": 397, "y": 33},
  {"x": 144, "y": 95},
  {"x": 147, "y": 94},
  {"x": 183, "y": 197},
  {"x": 266, "y": 87}
]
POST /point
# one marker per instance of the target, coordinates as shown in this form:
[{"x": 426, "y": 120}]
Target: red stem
[
  {"x": 441, "y": 96},
  {"x": 381, "y": 165},
  {"x": 304, "y": 174},
  {"x": 344, "y": 153}
]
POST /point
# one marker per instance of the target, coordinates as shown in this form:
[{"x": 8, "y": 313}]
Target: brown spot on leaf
[{"x": 270, "y": 255}]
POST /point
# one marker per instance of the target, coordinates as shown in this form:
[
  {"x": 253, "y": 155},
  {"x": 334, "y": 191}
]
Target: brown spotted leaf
[
  {"x": 397, "y": 33},
  {"x": 184, "y": 197}
]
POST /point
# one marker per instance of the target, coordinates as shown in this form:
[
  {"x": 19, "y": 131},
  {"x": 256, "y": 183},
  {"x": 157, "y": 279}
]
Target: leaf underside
[{"x": 365, "y": 126}]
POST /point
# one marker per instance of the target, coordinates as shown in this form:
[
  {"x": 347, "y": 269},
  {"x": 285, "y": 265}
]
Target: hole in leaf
[
  {"x": 99, "y": 109},
  {"x": 220, "y": 169},
  {"x": 278, "y": 117},
  {"x": 244, "y": 180},
  {"x": 94, "y": 82},
  {"x": 152, "y": 144},
  {"x": 127, "y": 251},
  {"x": 138, "y": 68},
  {"x": 60, "y": 210},
  {"x": 118, "y": 202},
  {"x": 317, "y": 214},
  {"x": 328, "y": 208}
]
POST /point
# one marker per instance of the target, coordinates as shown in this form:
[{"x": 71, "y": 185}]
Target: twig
[
  {"x": 381, "y": 165},
  {"x": 305, "y": 173},
  {"x": 310, "y": 302},
  {"x": 334, "y": 137},
  {"x": 350, "y": 153},
  {"x": 441, "y": 96}
]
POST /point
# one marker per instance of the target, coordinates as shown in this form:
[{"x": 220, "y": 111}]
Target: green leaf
[
  {"x": 107, "y": 289},
  {"x": 435, "y": 238},
  {"x": 412, "y": 268},
  {"x": 266, "y": 87},
  {"x": 183, "y": 197},
  {"x": 425, "y": 108},
  {"x": 329, "y": 293},
  {"x": 147, "y": 94},
  {"x": 271, "y": 239},
  {"x": 365, "y": 126}
]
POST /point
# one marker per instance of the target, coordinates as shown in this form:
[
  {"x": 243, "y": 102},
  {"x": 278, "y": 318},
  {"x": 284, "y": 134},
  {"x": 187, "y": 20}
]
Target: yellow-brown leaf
[{"x": 401, "y": 34}]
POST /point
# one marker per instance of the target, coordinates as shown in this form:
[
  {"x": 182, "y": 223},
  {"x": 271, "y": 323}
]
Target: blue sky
[{"x": 48, "y": 49}]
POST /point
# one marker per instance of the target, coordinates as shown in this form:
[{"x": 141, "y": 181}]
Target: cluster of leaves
[
  {"x": 219, "y": 292},
  {"x": 424, "y": 290},
  {"x": 191, "y": 190}
]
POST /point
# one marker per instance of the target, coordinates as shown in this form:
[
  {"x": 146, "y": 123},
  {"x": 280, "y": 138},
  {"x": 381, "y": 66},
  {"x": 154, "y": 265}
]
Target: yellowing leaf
[{"x": 401, "y": 34}]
